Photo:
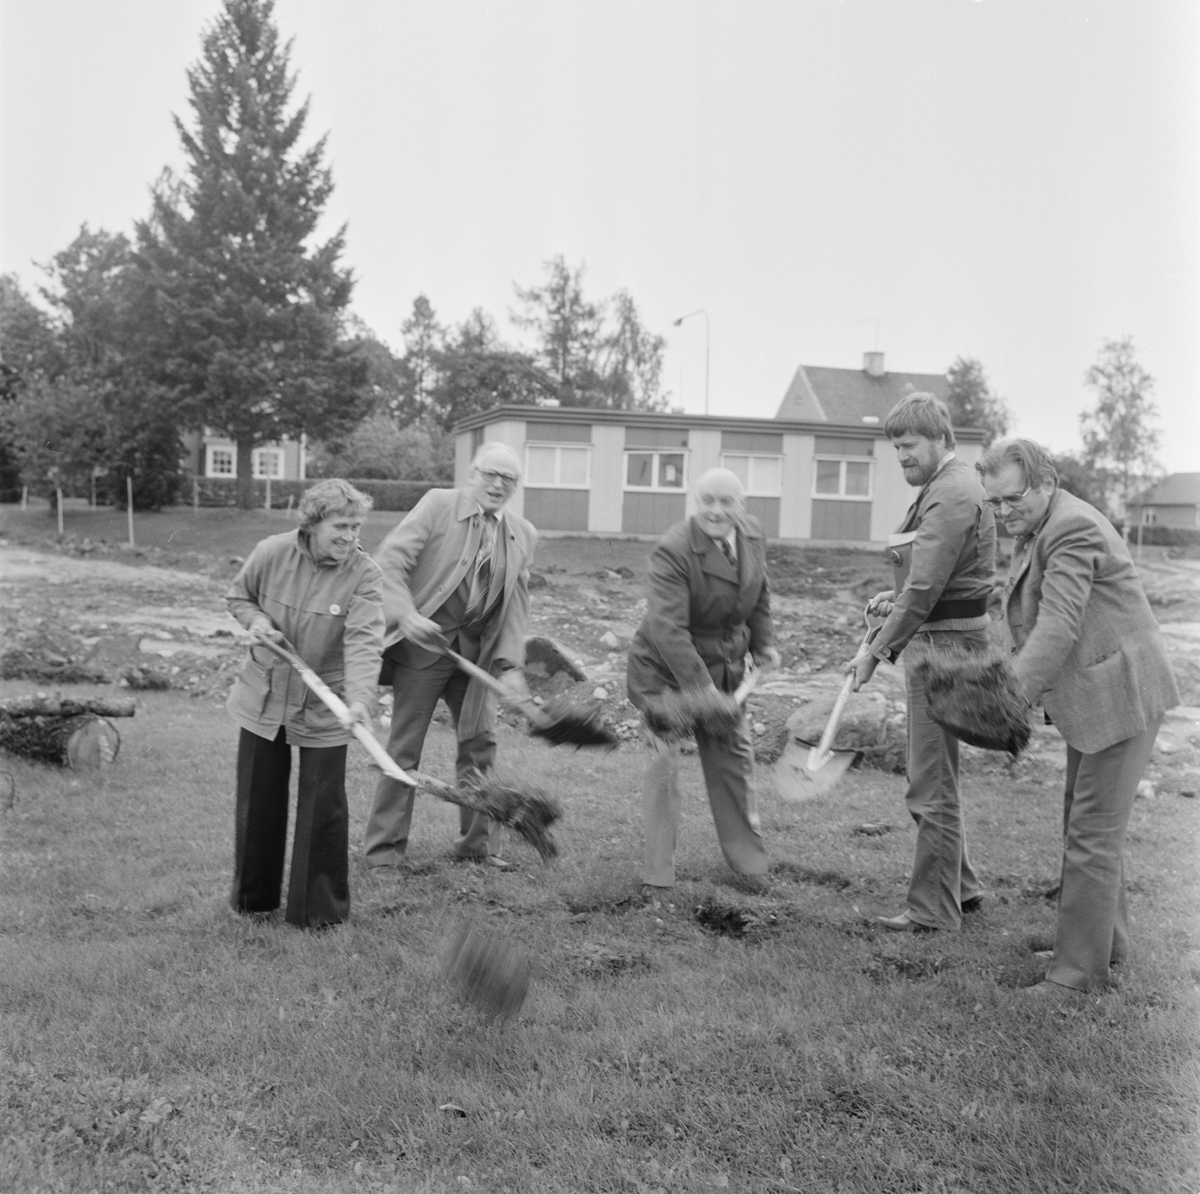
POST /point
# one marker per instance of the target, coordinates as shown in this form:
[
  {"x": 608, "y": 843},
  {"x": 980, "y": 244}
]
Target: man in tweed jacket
[{"x": 1088, "y": 650}]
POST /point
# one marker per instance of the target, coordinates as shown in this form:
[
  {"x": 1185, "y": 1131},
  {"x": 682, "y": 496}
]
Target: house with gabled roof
[
  {"x": 820, "y": 471},
  {"x": 1173, "y": 502}
]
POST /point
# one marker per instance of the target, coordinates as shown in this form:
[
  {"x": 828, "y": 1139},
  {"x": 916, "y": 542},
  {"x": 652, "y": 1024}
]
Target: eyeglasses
[
  {"x": 491, "y": 476},
  {"x": 1011, "y": 500}
]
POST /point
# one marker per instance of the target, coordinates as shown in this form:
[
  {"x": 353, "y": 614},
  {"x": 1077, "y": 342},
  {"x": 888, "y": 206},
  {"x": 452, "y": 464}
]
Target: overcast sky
[{"x": 1013, "y": 180}]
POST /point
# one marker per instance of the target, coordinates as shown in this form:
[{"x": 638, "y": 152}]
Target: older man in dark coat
[
  {"x": 1089, "y": 651},
  {"x": 708, "y": 604}
]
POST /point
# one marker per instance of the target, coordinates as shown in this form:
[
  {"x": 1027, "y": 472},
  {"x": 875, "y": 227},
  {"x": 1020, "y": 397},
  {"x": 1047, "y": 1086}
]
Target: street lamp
[{"x": 701, "y": 311}]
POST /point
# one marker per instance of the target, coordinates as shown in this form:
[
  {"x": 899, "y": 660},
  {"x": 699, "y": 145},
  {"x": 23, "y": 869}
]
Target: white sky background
[{"x": 1008, "y": 179}]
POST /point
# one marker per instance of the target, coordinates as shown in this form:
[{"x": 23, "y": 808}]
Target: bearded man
[{"x": 943, "y": 558}]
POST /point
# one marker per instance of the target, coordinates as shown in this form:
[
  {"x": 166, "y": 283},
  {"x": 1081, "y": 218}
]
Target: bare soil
[{"x": 81, "y": 608}]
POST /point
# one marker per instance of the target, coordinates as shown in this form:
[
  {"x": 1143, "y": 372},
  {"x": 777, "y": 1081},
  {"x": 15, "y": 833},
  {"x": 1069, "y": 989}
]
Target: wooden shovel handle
[
  {"x": 820, "y": 753},
  {"x": 338, "y": 708},
  {"x": 525, "y": 704}
]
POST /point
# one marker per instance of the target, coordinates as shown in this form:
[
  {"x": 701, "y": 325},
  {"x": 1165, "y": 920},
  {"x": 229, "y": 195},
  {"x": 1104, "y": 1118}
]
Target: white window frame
[
  {"x": 750, "y": 457},
  {"x": 258, "y": 455},
  {"x": 657, "y": 453},
  {"x": 1149, "y": 516},
  {"x": 210, "y": 453},
  {"x": 842, "y": 495},
  {"x": 557, "y": 483}
]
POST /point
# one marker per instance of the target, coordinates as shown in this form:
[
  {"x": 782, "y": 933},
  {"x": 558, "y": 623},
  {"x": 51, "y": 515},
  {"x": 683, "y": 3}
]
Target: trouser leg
[
  {"x": 260, "y": 821},
  {"x": 728, "y": 775},
  {"x": 478, "y": 834},
  {"x": 1098, "y": 798},
  {"x": 942, "y": 875},
  {"x": 660, "y": 811},
  {"x": 319, "y": 884},
  {"x": 416, "y": 693}
]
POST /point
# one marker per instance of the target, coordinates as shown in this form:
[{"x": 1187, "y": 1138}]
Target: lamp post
[{"x": 701, "y": 311}]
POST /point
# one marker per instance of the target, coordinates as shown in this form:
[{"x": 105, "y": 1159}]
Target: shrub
[
  {"x": 1160, "y": 536},
  {"x": 388, "y": 495}
]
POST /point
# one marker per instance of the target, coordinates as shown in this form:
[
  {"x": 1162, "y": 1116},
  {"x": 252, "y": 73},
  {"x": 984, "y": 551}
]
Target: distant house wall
[
  {"x": 1171, "y": 516},
  {"x": 213, "y": 455},
  {"x": 620, "y": 473}
]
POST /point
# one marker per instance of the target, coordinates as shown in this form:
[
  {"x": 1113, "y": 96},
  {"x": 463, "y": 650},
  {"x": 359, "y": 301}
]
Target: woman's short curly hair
[{"x": 332, "y": 496}]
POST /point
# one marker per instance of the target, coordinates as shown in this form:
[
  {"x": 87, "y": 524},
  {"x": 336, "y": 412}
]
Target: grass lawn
[{"x": 150, "y": 1040}]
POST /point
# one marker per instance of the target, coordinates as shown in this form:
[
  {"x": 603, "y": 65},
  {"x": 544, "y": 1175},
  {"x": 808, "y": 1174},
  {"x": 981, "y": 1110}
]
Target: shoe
[
  {"x": 974, "y": 904},
  {"x": 493, "y": 860},
  {"x": 904, "y": 924},
  {"x": 657, "y": 898},
  {"x": 385, "y": 873}
]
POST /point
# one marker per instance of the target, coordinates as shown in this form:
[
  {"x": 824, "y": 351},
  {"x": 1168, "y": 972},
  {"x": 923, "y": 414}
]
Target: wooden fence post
[
  {"x": 267, "y": 503},
  {"x": 129, "y": 504},
  {"x": 58, "y": 494},
  {"x": 195, "y": 495}
]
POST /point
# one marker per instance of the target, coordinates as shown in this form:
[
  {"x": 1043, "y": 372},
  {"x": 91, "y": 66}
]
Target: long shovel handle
[
  {"x": 338, "y": 708},
  {"x": 525, "y": 704},
  {"x": 819, "y": 755}
]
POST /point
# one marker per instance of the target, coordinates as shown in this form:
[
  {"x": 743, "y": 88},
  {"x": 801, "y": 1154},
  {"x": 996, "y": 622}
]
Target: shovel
[
  {"x": 528, "y": 814},
  {"x": 805, "y": 775},
  {"x": 561, "y": 723}
]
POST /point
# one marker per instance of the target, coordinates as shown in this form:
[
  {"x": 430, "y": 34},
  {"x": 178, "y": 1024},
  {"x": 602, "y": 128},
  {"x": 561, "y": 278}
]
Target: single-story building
[
  {"x": 1173, "y": 502},
  {"x": 212, "y": 455},
  {"x": 821, "y": 470}
]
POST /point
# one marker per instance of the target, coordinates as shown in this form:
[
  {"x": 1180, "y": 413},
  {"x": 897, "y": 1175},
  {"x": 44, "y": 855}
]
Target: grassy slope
[{"x": 152, "y": 1041}]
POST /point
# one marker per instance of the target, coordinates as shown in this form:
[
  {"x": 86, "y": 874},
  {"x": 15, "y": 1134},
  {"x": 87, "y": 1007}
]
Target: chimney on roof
[{"x": 873, "y": 364}]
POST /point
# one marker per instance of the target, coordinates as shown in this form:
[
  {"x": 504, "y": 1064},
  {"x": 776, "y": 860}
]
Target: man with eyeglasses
[
  {"x": 456, "y": 570},
  {"x": 943, "y": 560},
  {"x": 1088, "y": 650}
]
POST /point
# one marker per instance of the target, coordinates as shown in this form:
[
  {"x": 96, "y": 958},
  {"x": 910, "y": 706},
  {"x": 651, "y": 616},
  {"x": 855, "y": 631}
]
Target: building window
[
  {"x": 655, "y": 470},
  {"x": 850, "y": 479},
  {"x": 268, "y": 462},
  {"x": 557, "y": 466},
  {"x": 1149, "y": 516},
  {"x": 761, "y": 476},
  {"x": 222, "y": 462}
]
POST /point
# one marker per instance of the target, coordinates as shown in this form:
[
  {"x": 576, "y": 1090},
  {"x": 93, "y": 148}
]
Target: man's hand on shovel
[{"x": 862, "y": 667}]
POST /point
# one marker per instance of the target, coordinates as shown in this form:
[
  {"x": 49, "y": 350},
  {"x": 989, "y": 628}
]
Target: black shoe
[{"x": 974, "y": 904}]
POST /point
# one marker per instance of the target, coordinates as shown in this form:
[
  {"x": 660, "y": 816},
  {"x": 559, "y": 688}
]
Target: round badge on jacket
[{"x": 335, "y": 608}]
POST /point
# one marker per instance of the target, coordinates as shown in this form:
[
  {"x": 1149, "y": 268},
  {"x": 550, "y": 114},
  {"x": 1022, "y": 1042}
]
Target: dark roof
[
  {"x": 586, "y": 414},
  {"x": 828, "y": 395},
  {"x": 1179, "y": 489}
]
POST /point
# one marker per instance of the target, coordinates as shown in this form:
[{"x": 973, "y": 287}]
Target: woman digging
[{"x": 317, "y": 590}]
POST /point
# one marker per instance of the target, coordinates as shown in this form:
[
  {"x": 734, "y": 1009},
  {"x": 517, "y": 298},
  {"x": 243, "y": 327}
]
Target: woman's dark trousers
[{"x": 319, "y": 888}]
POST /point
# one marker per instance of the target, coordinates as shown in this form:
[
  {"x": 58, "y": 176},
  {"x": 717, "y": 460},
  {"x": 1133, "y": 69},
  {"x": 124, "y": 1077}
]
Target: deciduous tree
[
  {"x": 972, "y": 402},
  {"x": 597, "y": 353},
  {"x": 249, "y": 307},
  {"x": 1120, "y": 441}
]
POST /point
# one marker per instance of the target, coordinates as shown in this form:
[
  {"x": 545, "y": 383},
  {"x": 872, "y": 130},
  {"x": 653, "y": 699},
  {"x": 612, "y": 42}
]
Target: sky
[{"x": 1010, "y": 180}]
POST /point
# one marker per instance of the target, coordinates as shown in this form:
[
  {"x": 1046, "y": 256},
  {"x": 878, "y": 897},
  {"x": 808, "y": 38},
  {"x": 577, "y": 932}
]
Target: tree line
[{"x": 224, "y": 311}]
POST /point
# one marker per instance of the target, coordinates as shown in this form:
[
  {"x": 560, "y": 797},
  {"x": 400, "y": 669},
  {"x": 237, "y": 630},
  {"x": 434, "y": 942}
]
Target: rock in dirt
[{"x": 544, "y": 658}]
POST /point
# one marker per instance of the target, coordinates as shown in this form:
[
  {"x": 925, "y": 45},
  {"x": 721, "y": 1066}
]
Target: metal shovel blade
[{"x": 796, "y": 780}]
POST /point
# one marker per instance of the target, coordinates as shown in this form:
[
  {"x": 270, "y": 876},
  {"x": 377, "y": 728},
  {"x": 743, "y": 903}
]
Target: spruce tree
[{"x": 248, "y": 310}]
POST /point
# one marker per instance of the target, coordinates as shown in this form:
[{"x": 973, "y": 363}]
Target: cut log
[
  {"x": 61, "y": 706},
  {"x": 82, "y": 741}
]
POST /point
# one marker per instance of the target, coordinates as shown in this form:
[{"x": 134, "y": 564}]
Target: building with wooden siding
[{"x": 810, "y": 478}]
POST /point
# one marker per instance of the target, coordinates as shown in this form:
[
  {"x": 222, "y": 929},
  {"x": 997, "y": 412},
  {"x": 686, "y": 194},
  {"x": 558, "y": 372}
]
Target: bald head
[
  {"x": 495, "y": 471},
  {"x": 720, "y": 502}
]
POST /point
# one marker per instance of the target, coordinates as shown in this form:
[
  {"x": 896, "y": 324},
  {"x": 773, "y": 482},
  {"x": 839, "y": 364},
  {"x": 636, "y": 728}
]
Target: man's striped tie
[{"x": 482, "y": 576}]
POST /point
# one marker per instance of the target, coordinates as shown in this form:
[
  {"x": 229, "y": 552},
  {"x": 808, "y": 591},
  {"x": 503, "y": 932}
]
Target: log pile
[{"x": 65, "y": 731}]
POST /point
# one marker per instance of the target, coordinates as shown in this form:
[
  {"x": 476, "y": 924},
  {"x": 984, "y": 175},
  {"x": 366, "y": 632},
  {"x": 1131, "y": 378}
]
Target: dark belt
[{"x": 964, "y": 607}]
